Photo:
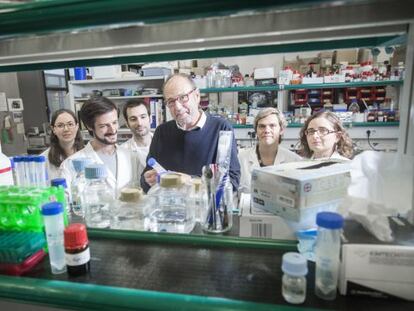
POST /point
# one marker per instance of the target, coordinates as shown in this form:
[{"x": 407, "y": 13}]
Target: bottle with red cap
[{"x": 77, "y": 253}]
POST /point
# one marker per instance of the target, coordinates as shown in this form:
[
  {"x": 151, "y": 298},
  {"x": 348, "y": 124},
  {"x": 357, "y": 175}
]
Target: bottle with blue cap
[
  {"x": 53, "y": 218},
  {"x": 295, "y": 269},
  {"x": 61, "y": 182},
  {"x": 328, "y": 245},
  {"x": 98, "y": 197},
  {"x": 78, "y": 184}
]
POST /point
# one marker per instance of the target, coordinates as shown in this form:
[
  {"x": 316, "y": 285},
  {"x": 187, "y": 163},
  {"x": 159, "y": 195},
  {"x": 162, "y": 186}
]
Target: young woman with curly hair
[{"x": 323, "y": 136}]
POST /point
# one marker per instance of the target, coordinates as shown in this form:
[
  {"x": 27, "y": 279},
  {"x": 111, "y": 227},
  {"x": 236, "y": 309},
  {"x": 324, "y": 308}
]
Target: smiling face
[
  {"x": 106, "y": 128},
  {"x": 138, "y": 121},
  {"x": 65, "y": 128},
  {"x": 269, "y": 130},
  {"x": 182, "y": 100},
  {"x": 321, "y": 145}
]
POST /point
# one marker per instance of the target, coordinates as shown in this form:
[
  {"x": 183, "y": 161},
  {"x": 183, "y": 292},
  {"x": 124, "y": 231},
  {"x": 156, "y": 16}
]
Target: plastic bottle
[
  {"x": 328, "y": 243},
  {"x": 53, "y": 219},
  {"x": 170, "y": 212},
  {"x": 56, "y": 182},
  {"x": 6, "y": 174},
  {"x": 129, "y": 211},
  {"x": 98, "y": 197},
  {"x": 78, "y": 184},
  {"x": 295, "y": 268},
  {"x": 77, "y": 253}
]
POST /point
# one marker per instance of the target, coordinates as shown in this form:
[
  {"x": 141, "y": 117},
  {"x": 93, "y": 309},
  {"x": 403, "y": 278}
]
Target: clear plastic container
[
  {"x": 169, "y": 212},
  {"x": 61, "y": 182},
  {"x": 197, "y": 199},
  {"x": 98, "y": 197},
  {"x": 78, "y": 184},
  {"x": 328, "y": 243},
  {"x": 295, "y": 269},
  {"x": 129, "y": 210},
  {"x": 218, "y": 217},
  {"x": 53, "y": 219}
]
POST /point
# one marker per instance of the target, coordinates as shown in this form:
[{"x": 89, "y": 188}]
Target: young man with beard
[
  {"x": 100, "y": 116},
  {"x": 188, "y": 142},
  {"x": 137, "y": 117}
]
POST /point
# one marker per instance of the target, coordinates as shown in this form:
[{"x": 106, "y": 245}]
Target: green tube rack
[{"x": 20, "y": 207}]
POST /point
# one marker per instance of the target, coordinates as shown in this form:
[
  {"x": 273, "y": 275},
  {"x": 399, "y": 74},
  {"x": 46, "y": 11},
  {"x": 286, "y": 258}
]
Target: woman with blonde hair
[
  {"x": 269, "y": 125},
  {"x": 323, "y": 136}
]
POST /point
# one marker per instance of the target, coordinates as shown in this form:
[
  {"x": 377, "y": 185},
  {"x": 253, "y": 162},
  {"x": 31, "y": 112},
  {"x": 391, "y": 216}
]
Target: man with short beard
[
  {"x": 100, "y": 116},
  {"x": 137, "y": 117}
]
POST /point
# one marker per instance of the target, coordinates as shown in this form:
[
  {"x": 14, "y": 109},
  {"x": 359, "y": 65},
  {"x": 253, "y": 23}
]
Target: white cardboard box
[
  {"x": 311, "y": 80},
  {"x": 106, "y": 72},
  {"x": 264, "y": 73},
  {"x": 296, "y": 191},
  {"x": 377, "y": 270},
  {"x": 262, "y": 225}
]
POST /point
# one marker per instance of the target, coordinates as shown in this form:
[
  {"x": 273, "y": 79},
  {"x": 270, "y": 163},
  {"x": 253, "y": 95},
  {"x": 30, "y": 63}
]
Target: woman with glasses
[
  {"x": 65, "y": 140},
  {"x": 323, "y": 136},
  {"x": 269, "y": 125}
]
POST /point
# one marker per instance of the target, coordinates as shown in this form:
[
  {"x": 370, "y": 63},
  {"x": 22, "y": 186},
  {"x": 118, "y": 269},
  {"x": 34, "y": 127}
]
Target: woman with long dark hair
[{"x": 65, "y": 140}]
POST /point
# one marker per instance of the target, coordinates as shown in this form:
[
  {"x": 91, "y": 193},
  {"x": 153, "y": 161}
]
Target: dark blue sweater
[{"x": 188, "y": 151}]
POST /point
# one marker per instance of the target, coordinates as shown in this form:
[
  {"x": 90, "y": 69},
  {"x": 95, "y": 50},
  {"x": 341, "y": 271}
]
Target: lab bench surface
[{"x": 147, "y": 271}]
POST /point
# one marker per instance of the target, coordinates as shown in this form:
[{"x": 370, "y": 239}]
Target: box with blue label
[{"x": 297, "y": 191}]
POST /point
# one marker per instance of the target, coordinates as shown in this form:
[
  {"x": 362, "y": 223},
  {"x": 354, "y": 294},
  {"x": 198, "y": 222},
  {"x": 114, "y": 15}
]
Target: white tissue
[{"x": 381, "y": 186}]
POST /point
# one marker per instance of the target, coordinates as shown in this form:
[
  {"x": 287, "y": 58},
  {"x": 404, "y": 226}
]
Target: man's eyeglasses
[
  {"x": 182, "y": 99},
  {"x": 322, "y": 131},
  {"x": 69, "y": 125}
]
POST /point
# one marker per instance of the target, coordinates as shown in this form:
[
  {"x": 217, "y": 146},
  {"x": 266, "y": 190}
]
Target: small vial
[
  {"x": 156, "y": 166},
  {"x": 77, "y": 255},
  {"x": 295, "y": 268}
]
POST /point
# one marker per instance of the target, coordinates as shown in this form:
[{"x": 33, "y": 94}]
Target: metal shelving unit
[{"x": 291, "y": 87}]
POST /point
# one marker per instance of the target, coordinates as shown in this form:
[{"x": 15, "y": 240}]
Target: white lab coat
[
  {"x": 138, "y": 157},
  {"x": 53, "y": 171},
  {"x": 124, "y": 167},
  {"x": 335, "y": 156},
  {"x": 248, "y": 160}
]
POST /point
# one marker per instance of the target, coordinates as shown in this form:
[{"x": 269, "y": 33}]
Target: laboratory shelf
[
  {"x": 346, "y": 124},
  {"x": 292, "y": 87},
  {"x": 121, "y": 97}
]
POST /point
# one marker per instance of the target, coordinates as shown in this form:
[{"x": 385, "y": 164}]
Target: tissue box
[
  {"x": 264, "y": 225},
  {"x": 373, "y": 268},
  {"x": 296, "y": 191}
]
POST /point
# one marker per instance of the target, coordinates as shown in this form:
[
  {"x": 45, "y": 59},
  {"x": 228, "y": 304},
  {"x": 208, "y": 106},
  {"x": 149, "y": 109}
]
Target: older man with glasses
[{"x": 188, "y": 142}]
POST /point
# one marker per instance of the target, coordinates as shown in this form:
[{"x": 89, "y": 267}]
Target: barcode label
[{"x": 261, "y": 231}]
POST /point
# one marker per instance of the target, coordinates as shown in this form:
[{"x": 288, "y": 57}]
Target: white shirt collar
[{"x": 200, "y": 123}]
